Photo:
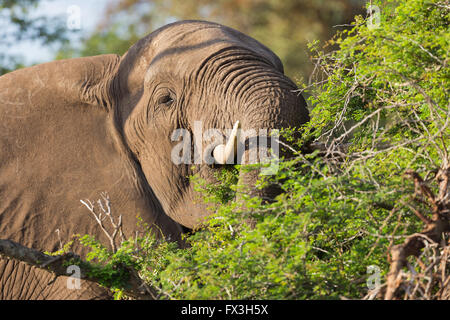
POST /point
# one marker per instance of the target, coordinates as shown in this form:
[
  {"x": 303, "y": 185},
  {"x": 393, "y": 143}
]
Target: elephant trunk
[
  {"x": 282, "y": 107},
  {"x": 249, "y": 178}
]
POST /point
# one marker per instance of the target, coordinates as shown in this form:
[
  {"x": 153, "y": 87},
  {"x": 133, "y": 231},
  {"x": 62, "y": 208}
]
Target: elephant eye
[{"x": 165, "y": 99}]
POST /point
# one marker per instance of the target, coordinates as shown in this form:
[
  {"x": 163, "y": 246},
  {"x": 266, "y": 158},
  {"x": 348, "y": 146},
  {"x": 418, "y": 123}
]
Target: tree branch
[
  {"x": 435, "y": 228},
  {"x": 57, "y": 265}
]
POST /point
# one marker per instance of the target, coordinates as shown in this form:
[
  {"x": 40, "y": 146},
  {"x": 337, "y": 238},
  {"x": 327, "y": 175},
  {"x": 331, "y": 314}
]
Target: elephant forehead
[
  {"x": 181, "y": 49},
  {"x": 188, "y": 58},
  {"x": 188, "y": 44}
]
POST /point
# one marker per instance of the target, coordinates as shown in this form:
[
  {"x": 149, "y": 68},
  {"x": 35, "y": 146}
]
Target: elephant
[{"x": 74, "y": 128}]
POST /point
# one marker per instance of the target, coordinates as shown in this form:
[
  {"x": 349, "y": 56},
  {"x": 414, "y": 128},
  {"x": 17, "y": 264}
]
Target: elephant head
[
  {"x": 194, "y": 76},
  {"x": 74, "y": 128}
]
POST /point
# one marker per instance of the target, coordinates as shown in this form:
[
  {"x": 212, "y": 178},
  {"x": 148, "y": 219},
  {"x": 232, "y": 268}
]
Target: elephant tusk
[{"x": 225, "y": 153}]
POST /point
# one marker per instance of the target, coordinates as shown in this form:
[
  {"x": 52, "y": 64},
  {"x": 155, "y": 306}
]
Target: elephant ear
[{"x": 59, "y": 144}]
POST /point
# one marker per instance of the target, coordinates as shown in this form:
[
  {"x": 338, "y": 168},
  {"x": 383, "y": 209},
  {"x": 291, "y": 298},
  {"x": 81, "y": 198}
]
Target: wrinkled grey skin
[{"x": 74, "y": 128}]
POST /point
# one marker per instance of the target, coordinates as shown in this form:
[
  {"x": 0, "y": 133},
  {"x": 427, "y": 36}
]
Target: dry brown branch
[{"x": 432, "y": 236}]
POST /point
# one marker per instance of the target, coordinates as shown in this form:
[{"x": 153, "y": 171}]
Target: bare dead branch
[
  {"x": 105, "y": 211},
  {"x": 433, "y": 233}
]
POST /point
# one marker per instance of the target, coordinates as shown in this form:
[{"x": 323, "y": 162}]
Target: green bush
[{"x": 379, "y": 107}]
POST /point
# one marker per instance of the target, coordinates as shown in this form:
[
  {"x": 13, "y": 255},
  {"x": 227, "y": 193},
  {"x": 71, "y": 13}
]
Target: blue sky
[{"x": 91, "y": 11}]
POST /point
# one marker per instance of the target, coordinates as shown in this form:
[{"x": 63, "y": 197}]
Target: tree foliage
[{"x": 19, "y": 23}]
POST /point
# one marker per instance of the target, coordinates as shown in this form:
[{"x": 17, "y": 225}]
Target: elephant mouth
[
  {"x": 237, "y": 166},
  {"x": 231, "y": 171}
]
